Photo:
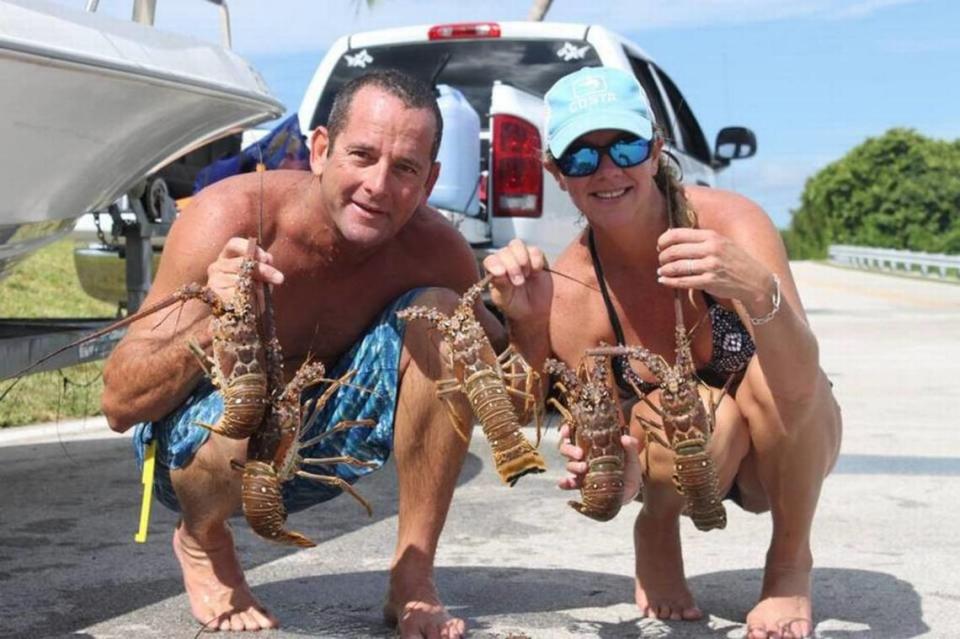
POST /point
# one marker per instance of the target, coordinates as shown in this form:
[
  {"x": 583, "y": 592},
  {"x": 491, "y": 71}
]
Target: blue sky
[{"x": 812, "y": 78}]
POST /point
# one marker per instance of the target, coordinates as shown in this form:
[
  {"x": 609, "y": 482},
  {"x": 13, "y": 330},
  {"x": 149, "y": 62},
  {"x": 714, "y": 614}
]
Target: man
[{"x": 343, "y": 247}]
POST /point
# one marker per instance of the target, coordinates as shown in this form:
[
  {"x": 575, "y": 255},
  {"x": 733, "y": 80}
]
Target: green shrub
[{"x": 900, "y": 190}]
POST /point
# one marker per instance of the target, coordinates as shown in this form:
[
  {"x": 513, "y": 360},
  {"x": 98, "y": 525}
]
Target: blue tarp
[{"x": 285, "y": 147}]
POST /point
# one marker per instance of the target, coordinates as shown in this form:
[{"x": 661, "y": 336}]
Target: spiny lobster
[
  {"x": 484, "y": 378},
  {"x": 592, "y": 413},
  {"x": 687, "y": 425},
  {"x": 273, "y": 452}
]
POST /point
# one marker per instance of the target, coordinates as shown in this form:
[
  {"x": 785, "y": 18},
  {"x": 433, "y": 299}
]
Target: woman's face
[{"x": 612, "y": 195}]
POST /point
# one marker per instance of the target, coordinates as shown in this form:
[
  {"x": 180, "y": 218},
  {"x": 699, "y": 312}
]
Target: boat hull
[{"x": 98, "y": 105}]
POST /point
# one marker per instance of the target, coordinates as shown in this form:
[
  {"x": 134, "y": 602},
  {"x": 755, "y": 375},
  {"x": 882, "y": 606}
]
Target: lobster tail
[
  {"x": 513, "y": 455},
  {"x": 263, "y": 505},
  {"x": 244, "y": 405},
  {"x": 602, "y": 488},
  {"x": 696, "y": 477}
]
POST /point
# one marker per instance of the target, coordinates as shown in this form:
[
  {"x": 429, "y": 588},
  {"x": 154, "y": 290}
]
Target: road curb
[{"x": 87, "y": 428}]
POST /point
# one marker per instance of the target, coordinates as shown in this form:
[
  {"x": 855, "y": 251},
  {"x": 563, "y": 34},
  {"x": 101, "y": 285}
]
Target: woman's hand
[
  {"x": 708, "y": 261},
  {"x": 632, "y": 475},
  {"x": 223, "y": 273},
  {"x": 522, "y": 287}
]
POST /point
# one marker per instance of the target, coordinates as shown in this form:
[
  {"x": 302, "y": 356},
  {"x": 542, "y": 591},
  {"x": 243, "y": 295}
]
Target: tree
[
  {"x": 538, "y": 10},
  {"x": 900, "y": 190}
]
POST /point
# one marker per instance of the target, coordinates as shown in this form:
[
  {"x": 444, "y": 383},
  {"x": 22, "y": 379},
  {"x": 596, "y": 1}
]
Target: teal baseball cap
[{"x": 592, "y": 99}]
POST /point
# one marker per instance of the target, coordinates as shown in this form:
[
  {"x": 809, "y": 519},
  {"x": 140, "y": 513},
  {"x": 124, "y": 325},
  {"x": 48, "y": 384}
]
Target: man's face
[{"x": 378, "y": 171}]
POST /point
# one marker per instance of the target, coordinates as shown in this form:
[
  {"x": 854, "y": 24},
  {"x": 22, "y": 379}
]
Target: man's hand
[
  {"x": 522, "y": 287},
  {"x": 632, "y": 476},
  {"x": 223, "y": 273}
]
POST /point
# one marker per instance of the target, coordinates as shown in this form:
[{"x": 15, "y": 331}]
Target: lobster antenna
[
  {"x": 572, "y": 279},
  {"x": 671, "y": 223},
  {"x": 126, "y": 321},
  {"x": 261, "y": 168},
  {"x": 270, "y": 329}
]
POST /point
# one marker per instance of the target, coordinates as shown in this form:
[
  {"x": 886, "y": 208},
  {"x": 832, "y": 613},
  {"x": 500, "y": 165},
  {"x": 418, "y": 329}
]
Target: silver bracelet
[{"x": 775, "y": 299}]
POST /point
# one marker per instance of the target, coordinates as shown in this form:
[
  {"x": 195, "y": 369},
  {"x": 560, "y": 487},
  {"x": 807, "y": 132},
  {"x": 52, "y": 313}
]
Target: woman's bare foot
[
  {"x": 661, "y": 589},
  {"x": 784, "y": 611},
  {"x": 416, "y": 611},
  {"x": 219, "y": 596}
]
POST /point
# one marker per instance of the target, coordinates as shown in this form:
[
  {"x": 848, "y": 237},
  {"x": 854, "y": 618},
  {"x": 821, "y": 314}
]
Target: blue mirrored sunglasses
[{"x": 581, "y": 160}]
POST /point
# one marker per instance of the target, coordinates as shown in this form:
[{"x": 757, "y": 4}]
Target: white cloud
[{"x": 865, "y": 8}]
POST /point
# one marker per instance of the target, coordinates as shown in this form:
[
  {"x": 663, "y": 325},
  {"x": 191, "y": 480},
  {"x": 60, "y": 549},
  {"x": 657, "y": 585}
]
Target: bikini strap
[
  {"x": 598, "y": 269},
  {"x": 620, "y": 365}
]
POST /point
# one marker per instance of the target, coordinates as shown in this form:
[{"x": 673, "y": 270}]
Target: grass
[{"x": 46, "y": 285}]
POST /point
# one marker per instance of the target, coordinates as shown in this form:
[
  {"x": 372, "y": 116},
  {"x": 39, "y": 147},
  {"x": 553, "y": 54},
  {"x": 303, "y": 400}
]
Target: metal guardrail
[{"x": 894, "y": 260}]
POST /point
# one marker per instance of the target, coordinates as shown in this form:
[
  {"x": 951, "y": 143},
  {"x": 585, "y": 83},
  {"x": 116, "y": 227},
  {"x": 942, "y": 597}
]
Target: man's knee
[
  {"x": 422, "y": 341},
  {"x": 213, "y": 462}
]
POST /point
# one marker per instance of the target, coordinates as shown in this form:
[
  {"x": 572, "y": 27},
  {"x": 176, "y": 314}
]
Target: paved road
[{"x": 517, "y": 562}]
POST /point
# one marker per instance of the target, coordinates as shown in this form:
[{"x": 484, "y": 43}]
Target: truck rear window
[{"x": 472, "y": 66}]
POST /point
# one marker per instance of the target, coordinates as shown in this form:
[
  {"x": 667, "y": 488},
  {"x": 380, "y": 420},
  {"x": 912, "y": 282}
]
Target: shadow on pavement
[
  {"x": 348, "y": 605},
  {"x": 884, "y": 606},
  {"x": 68, "y": 513}
]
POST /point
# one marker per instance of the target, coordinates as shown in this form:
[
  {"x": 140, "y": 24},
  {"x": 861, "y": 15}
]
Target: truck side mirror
[{"x": 733, "y": 143}]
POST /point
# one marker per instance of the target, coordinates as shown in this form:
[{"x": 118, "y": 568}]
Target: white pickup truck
[{"x": 503, "y": 70}]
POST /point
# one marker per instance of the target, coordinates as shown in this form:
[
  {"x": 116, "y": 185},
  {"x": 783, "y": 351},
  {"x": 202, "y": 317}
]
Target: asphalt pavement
[{"x": 517, "y": 562}]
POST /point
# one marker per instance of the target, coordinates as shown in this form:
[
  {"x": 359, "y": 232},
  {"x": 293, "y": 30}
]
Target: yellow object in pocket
[{"x": 148, "y": 466}]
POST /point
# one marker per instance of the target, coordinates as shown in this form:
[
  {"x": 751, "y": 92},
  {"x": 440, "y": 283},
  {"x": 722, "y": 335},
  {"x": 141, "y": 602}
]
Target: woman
[{"x": 777, "y": 433}]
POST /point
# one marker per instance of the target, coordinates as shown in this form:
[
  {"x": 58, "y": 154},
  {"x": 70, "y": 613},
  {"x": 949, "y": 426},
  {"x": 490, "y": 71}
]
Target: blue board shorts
[{"x": 372, "y": 394}]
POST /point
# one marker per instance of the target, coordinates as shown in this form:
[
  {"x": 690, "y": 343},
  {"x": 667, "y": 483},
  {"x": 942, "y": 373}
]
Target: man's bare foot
[
  {"x": 661, "y": 589},
  {"x": 219, "y": 595},
  {"x": 418, "y": 613},
  {"x": 784, "y": 611}
]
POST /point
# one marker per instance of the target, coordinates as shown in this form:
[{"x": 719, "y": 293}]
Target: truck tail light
[
  {"x": 517, "y": 184},
  {"x": 462, "y": 30}
]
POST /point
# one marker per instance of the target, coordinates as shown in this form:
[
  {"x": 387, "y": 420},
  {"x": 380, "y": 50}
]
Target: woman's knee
[{"x": 756, "y": 403}]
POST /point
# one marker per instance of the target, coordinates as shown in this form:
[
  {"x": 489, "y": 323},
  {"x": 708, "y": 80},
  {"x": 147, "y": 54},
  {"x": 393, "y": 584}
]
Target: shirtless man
[{"x": 344, "y": 246}]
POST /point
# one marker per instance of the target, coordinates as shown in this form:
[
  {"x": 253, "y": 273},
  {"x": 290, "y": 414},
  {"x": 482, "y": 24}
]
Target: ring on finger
[{"x": 689, "y": 267}]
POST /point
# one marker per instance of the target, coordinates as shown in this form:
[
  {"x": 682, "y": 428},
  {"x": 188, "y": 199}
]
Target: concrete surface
[{"x": 517, "y": 562}]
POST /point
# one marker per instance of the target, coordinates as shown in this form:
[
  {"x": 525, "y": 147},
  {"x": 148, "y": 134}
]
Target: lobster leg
[
  {"x": 339, "y": 483},
  {"x": 342, "y": 459},
  {"x": 567, "y": 416},
  {"x": 530, "y": 403},
  {"x": 445, "y": 388},
  {"x": 510, "y": 361},
  {"x": 346, "y": 424},
  {"x": 203, "y": 360}
]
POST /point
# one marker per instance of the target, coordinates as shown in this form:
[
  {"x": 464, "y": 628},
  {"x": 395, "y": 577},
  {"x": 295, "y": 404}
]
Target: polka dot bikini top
[{"x": 732, "y": 345}]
